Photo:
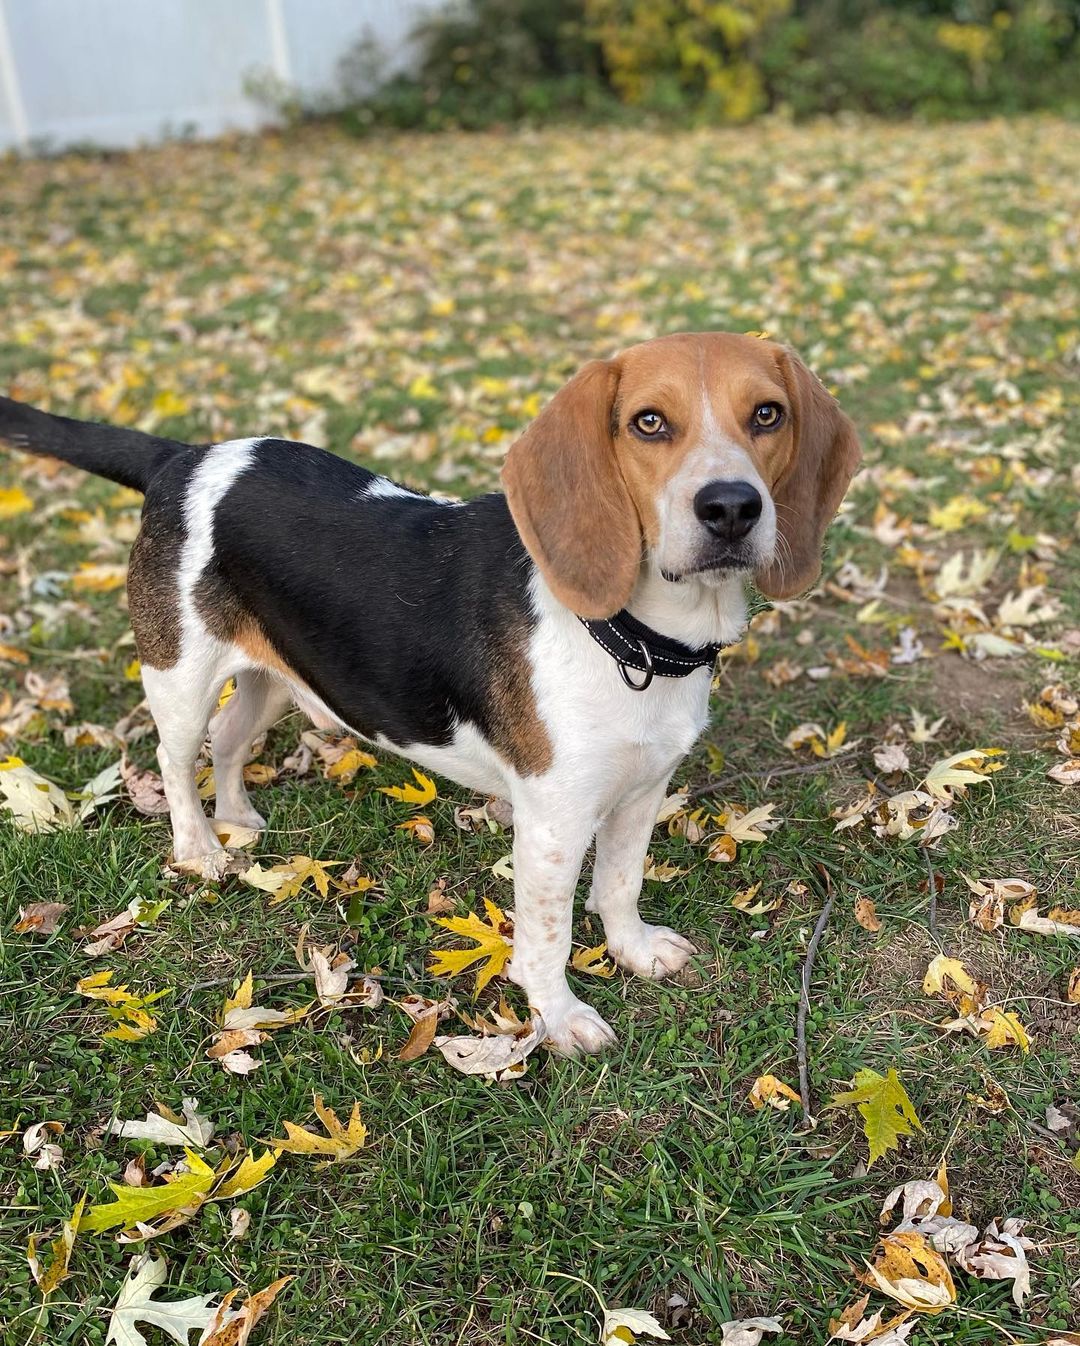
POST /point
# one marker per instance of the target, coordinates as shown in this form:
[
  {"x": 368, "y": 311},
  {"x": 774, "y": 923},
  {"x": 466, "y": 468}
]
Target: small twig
[
  {"x": 721, "y": 782},
  {"x": 804, "y": 998}
]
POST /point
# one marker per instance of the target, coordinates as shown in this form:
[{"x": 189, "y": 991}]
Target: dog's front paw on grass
[
  {"x": 574, "y": 1027},
  {"x": 651, "y": 951}
]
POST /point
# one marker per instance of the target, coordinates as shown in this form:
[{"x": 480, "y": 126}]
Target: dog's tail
[{"x": 129, "y": 457}]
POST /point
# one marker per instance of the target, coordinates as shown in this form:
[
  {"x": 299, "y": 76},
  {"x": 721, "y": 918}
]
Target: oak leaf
[{"x": 340, "y": 1142}]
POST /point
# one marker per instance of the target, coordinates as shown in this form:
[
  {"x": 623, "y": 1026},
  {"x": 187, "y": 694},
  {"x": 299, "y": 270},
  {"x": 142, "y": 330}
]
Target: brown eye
[
  {"x": 768, "y": 416},
  {"x": 649, "y": 423}
]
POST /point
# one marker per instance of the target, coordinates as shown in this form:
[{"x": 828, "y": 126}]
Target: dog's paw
[
  {"x": 651, "y": 951},
  {"x": 576, "y": 1027},
  {"x": 243, "y": 815},
  {"x": 212, "y": 866}
]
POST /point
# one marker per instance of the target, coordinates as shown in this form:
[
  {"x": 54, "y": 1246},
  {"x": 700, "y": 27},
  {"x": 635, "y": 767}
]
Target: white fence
[{"x": 117, "y": 73}]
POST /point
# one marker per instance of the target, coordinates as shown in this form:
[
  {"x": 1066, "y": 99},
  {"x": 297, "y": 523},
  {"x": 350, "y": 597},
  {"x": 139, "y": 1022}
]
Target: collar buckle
[{"x": 646, "y": 655}]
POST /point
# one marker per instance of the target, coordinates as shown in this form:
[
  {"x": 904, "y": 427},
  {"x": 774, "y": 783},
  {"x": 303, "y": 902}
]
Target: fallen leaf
[
  {"x": 339, "y": 1143},
  {"x": 239, "y": 1222},
  {"x": 39, "y": 918},
  {"x": 145, "y": 789},
  {"x": 47, "y": 1278},
  {"x": 909, "y": 1270},
  {"x": 623, "y": 1326},
  {"x": 233, "y": 1327},
  {"x": 943, "y": 970},
  {"x": 1001, "y": 1254},
  {"x": 135, "y": 1304},
  {"x": 768, "y": 1090},
  {"x": 36, "y": 1141},
  {"x": 493, "y": 941},
  {"x": 886, "y": 1110},
  {"x": 952, "y": 776},
  {"x": 423, "y": 792},
  {"x": 592, "y": 962},
  {"x": 139, "y": 1205},
  {"x": 866, "y": 914},
  {"x": 190, "y": 1129},
  {"x": 891, "y": 757},
  {"x": 501, "y": 1057},
  {"x": 420, "y": 827},
  {"x": 748, "y": 1331}
]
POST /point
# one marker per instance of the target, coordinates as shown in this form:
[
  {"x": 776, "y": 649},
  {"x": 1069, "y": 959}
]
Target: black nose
[{"x": 728, "y": 509}]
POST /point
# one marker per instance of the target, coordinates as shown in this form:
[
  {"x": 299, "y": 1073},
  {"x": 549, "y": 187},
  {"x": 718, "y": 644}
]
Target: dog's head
[{"x": 700, "y": 454}]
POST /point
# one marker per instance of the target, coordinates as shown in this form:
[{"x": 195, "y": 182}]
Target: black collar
[{"x": 634, "y": 645}]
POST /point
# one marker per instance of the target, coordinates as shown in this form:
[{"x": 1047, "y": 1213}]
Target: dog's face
[{"x": 701, "y": 455}]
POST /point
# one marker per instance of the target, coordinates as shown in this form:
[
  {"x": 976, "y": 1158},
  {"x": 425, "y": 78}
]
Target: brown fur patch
[
  {"x": 517, "y": 732},
  {"x": 227, "y": 619},
  {"x": 153, "y": 594}
]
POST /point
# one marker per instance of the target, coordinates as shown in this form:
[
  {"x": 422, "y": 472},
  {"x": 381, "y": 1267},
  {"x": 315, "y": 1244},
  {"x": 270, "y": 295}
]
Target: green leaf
[
  {"x": 135, "y": 1204},
  {"x": 886, "y": 1110}
]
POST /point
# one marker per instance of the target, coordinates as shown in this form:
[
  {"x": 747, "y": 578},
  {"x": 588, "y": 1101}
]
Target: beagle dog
[{"x": 552, "y": 645}]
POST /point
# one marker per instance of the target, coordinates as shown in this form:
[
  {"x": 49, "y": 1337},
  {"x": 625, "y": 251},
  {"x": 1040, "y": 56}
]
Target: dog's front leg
[
  {"x": 547, "y": 862},
  {"x": 622, "y": 843}
]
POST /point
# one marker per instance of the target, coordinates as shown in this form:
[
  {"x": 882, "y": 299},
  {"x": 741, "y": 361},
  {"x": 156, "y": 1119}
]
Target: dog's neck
[{"x": 699, "y": 610}]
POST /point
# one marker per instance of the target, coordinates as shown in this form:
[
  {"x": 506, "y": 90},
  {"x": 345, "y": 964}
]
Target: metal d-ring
[{"x": 638, "y": 686}]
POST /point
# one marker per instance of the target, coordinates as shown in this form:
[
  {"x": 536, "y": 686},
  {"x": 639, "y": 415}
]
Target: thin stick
[
  {"x": 804, "y": 998},
  {"x": 721, "y": 782}
]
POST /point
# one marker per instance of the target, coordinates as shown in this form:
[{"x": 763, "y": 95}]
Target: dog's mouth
[{"x": 728, "y": 562}]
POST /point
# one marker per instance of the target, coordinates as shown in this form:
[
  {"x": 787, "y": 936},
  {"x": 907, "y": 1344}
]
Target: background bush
[{"x": 484, "y": 62}]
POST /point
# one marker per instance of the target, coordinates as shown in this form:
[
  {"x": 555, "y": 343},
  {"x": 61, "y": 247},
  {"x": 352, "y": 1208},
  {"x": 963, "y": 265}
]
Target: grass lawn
[{"x": 412, "y": 303}]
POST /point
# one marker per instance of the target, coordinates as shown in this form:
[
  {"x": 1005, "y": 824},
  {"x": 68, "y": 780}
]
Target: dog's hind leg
[
  {"x": 259, "y": 700},
  {"x": 182, "y": 699}
]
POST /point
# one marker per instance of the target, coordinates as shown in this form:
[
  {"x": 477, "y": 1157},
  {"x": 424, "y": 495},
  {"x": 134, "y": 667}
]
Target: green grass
[{"x": 444, "y": 287}]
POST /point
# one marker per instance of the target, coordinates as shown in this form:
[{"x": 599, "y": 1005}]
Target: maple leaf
[
  {"x": 492, "y": 938},
  {"x": 909, "y": 1270},
  {"x": 768, "y": 1090},
  {"x": 943, "y": 969},
  {"x": 954, "y": 774},
  {"x": 744, "y": 901},
  {"x": 285, "y": 880},
  {"x": 339, "y": 1143},
  {"x": 166, "y": 1128},
  {"x": 129, "y": 1011},
  {"x": 592, "y": 962},
  {"x": 344, "y": 769},
  {"x": 886, "y": 1110},
  {"x": 421, "y": 828},
  {"x": 751, "y": 825},
  {"x": 135, "y": 1304},
  {"x": 622, "y": 1327},
  {"x": 423, "y": 792},
  {"x": 139, "y": 1205},
  {"x": 499, "y": 1057}
]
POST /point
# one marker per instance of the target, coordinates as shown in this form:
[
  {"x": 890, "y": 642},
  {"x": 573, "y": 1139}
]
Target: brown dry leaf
[
  {"x": 1072, "y": 993},
  {"x": 420, "y": 828},
  {"x": 233, "y": 1327},
  {"x": 422, "y": 1035},
  {"x": 1000, "y": 1255},
  {"x": 853, "y": 1326},
  {"x": 1066, "y": 773},
  {"x": 866, "y": 914},
  {"x": 437, "y": 900},
  {"x": 39, "y": 918},
  {"x": 500, "y": 1057},
  {"x": 145, "y": 789},
  {"x": 769, "y": 1091},
  {"x": 1059, "y": 920},
  {"x": 234, "y": 1040},
  {"x": 909, "y": 1270}
]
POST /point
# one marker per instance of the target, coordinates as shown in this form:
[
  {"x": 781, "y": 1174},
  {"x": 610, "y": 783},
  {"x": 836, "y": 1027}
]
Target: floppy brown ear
[
  {"x": 568, "y": 498},
  {"x": 809, "y": 490}
]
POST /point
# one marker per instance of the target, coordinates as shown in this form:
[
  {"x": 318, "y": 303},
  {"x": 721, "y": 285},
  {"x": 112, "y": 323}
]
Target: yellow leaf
[
  {"x": 957, "y": 512},
  {"x": 98, "y": 579},
  {"x": 135, "y": 1205},
  {"x": 744, "y": 902},
  {"x": 48, "y": 1278},
  {"x": 493, "y": 945},
  {"x": 14, "y": 500},
  {"x": 348, "y": 764},
  {"x": 339, "y": 1143},
  {"x": 768, "y": 1090},
  {"x": 956, "y": 773},
  {"x": 1004, "y": 1029},
  {"x": 242, "y": 998},
  {"x": 592, "y": 962},
  {"x": 133, "y": 671},
  {"x": 910, "y": 1271},
  {"x": 227, "y": 693},
  {"x": 232, "y": 1327},
  {"x": 421, "y": 827},
  {"x": 248, "y": 1174},
  {"x": 886, "y": 1110},
  {"x": 951, "y": 968},
  {"x": 167, "y": 403},
  {"x": 411, "y": 794},
  {"x": 722, "y": 851}
]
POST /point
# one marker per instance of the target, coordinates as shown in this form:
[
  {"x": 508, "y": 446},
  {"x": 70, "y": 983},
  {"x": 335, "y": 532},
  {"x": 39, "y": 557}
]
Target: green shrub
[{"x": 486, "y": 62}]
